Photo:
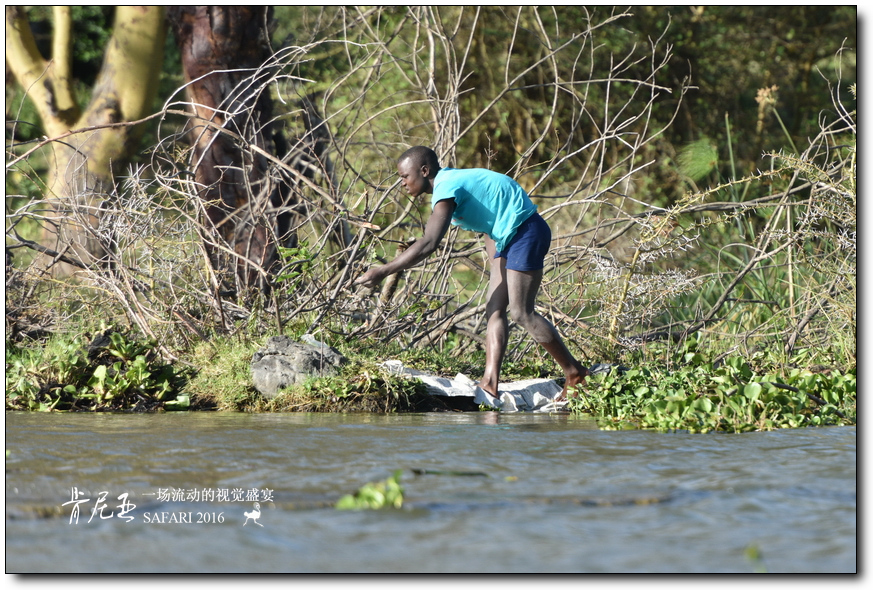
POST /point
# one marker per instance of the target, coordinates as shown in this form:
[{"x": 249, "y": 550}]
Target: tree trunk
[
  {"x": 82, "y": 166},
  {"x": 222, "y": 48}
]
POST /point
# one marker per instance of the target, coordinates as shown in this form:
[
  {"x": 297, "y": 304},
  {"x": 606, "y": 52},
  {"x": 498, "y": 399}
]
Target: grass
[{"x": 223, "y": 380}]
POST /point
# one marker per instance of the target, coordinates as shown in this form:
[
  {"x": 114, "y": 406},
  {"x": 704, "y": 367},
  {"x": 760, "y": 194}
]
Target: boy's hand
[{"x": 371, "y": 278}]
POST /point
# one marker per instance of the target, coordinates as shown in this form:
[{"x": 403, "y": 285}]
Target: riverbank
[{"x": 114, "y": 372}]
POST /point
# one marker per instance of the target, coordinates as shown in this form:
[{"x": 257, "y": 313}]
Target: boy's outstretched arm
[{"x": 436, "y": 228}]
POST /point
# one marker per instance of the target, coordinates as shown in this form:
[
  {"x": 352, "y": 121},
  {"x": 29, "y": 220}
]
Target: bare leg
[
  {"x": 498, "y": 324},
  {"x": 522, "y": 289}
]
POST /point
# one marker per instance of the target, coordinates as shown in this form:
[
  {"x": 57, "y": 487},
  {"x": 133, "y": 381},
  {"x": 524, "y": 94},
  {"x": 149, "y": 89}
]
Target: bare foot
[
  {"x": 570, "y": 383},
  {"x": 485, "y": 389}
]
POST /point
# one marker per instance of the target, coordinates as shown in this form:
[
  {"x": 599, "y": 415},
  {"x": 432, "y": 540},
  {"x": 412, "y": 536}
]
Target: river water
[{"x": 484, "y": 492}]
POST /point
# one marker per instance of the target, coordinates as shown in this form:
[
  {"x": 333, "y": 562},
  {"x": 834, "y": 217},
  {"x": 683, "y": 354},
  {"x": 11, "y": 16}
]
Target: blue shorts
[{"x": 527, "y": 249}]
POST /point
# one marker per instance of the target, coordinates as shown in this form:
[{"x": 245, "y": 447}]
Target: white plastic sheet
[{"x": 529, "y": 395}]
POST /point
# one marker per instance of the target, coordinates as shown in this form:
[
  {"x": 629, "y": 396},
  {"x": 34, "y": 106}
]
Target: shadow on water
[{"x": 483, "y": 492}]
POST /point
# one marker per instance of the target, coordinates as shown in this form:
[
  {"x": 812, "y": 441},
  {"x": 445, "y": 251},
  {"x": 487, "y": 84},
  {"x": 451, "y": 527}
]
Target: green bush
[
  {"x": 730, "y": 397},
  {"x": 113, "y": 372}
]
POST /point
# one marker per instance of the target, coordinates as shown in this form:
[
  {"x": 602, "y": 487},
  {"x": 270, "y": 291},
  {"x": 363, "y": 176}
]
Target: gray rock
[{"x": 283, "y": 362}]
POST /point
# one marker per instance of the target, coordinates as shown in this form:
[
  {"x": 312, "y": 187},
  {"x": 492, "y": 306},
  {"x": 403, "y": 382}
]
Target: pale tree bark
[{"x": 82, "y": 165}]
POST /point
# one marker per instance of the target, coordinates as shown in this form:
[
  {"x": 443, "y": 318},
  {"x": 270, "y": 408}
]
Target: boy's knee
[
  {"x": 496, "y": 313},
  {"x": 522, "y": 317}
]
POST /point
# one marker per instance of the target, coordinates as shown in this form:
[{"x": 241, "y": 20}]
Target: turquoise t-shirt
[{"x": 485, "y": 202}]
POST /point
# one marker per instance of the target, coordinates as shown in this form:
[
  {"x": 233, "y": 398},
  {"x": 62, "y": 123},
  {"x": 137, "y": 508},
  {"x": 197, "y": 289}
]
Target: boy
[{"x": 516, "y": 240}]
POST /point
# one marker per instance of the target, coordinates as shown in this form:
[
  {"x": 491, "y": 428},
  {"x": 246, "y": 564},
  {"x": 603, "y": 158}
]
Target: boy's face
[{"x": 413, "y": 178}]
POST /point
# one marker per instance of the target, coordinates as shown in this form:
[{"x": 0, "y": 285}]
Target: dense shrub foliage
[{"x": 730, "y": 397}]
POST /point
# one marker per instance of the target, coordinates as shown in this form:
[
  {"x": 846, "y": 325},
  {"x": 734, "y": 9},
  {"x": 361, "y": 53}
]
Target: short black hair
[{"x": 421, "y": 155}]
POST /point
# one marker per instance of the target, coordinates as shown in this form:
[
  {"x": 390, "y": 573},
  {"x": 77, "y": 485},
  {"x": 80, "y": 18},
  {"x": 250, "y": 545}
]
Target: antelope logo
[{"x": 254, "y": 515}]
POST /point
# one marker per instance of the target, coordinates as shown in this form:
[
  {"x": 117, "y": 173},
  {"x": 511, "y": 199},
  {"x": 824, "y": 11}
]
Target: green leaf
[
  {"x": 181, "y": 403},
  {"x": 752, "y": 391},
  {"x": 703, "y": 404},
  {"x": 100, "y": 373}
]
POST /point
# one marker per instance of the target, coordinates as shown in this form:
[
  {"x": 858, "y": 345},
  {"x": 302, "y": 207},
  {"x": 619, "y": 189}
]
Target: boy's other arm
[{"x": 434, "y": 231}]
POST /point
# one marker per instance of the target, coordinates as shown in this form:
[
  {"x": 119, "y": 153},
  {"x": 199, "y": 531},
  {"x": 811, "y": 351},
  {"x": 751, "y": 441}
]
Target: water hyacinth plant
[
  {"x": 375, "y": 496},
  {"x": 701, "y": 396}
]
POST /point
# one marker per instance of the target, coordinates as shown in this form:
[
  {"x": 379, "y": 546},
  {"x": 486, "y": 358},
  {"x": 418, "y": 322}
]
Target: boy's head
[
  {"x": 421, "y": 155},
  {"x": 417, "y": 168}
]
